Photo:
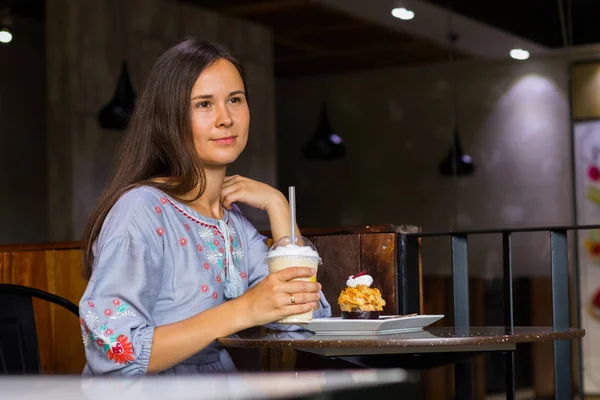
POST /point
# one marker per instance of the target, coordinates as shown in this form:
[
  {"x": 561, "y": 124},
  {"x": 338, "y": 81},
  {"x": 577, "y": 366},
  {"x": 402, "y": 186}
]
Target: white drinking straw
[{"x": 292, "y": 200}]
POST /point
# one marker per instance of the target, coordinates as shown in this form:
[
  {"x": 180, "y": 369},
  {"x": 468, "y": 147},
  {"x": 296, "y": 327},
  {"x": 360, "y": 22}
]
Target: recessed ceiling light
[
  {"x": 403, "y": 13},
  {"x": 5, "y": 36},
  {"x": 519, "y": 54}
]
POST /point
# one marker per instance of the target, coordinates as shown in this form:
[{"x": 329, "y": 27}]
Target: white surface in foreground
[{"x": 234, "y": 386}]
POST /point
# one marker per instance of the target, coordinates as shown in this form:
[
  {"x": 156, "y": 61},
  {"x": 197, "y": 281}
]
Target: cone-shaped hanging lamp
[
  {"x": 325, "y": 143},
  {"x": 117, "y": 113},
  {"x": 456, "y": 162}
]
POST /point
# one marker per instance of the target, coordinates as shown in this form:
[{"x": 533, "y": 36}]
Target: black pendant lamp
[
  {"x": 325, "y": 143},
  {"x": 456, "y": 162},
  {"x": 117, "y": 113}
]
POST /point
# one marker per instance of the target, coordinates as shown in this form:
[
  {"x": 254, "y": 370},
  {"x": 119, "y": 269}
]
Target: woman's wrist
[
  {"x": 240, "y": 313},
  {"x": 278, "y": 205}
]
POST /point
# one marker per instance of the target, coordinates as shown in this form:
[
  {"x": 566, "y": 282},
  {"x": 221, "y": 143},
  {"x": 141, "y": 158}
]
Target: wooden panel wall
[{"x": 55, "y": 271}]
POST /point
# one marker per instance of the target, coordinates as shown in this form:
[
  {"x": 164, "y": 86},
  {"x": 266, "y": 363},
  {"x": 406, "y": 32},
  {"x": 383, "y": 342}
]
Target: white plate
[{"x": 381, "y": 326}]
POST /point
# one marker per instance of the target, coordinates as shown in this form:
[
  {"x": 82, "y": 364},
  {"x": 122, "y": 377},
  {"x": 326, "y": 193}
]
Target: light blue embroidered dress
[{"x": 156, "y": 262}]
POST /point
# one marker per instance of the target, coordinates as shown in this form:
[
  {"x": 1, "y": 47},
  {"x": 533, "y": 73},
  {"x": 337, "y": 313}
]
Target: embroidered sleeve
[
  {"x": 115, "y": 310},
  {"x": 258, "y": 268}
]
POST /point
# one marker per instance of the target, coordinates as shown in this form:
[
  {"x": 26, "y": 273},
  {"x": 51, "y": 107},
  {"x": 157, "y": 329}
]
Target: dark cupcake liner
[{"x": 360, "y": 314}]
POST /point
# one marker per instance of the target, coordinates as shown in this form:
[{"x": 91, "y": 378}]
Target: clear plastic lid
[{"x": 302, "y": 248}]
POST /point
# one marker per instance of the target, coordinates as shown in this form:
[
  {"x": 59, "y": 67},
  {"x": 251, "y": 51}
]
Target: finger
[
  {"x": 285, "y": 300},
  {"x": 301, "y": 298},
  {"x": 297, "y": 309},
  {"x": 232, "y": 178},
  {"x": 299, "y": 287},
  {"x": 295, "y": 272},
  {"x": 230, "y": 183},
  {"x": 225, "y": 191},
  {"x": 229, "y": 196}
]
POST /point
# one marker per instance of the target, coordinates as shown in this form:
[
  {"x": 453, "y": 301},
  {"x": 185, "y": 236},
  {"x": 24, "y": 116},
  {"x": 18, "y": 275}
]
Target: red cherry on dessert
[{"x": 594, "y": 173}]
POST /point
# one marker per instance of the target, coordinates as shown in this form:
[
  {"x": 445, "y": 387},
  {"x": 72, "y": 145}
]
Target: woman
[{"x": 172, "y": 263}]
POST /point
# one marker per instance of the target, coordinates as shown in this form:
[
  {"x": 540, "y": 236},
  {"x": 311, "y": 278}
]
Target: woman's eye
[
  {"x": 235, "y": 100},
  {"x": 203, "y": 104}
]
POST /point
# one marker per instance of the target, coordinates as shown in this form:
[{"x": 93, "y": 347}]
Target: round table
[{"x": 434, "y": 346}]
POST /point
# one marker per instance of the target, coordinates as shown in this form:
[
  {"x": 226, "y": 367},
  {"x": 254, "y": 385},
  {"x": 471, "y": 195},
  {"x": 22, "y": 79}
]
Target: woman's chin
[
  {"x": 217, "y": 162},
  {"x": 220, "y": 157}
]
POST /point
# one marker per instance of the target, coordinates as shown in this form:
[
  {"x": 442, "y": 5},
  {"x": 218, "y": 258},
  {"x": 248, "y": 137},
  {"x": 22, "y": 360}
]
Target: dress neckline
[{"x": 192, "y": 214}]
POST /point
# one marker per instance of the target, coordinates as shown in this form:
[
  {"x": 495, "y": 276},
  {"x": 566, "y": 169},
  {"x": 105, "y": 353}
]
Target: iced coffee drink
[{"x": 284, "y": 254}]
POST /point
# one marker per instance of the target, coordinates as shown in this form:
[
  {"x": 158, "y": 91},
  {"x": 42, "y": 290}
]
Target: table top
[
  {"x": 435, "y": 337},
  {"x": 271, "y": 385}
]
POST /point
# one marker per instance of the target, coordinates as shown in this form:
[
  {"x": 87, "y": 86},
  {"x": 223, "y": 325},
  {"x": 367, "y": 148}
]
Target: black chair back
[{"x": 19, "y": 353}]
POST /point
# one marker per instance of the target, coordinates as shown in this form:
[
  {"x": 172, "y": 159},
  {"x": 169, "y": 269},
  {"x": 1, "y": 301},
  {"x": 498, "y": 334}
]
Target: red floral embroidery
[
  {"x": 116, "y": 302},
  {"x": 216, "y": 242},
  {"x": 81, "y": 322},
  {"x": 215, "y": 295},
  {"x": 218, "y": 278},
  {"x": 199, "y": 247},
  {"x": 215, "y": 229},
  {"x": 186, "y": 226},
  {"x": 100, "y": 342},
  {"x": 183, "y": 241},
  {"x": 108, "y": 332},
  {"x": 121, "y": 351},
  {"x": 206, "y": 266},
  {"x": 108, "y": 312},
  {"x": 158, "y": 210},
  {"x": 243, "y": 275},
  {"x": 163, "y": 200},
  {"x": 221, "y": 250},
  {"x": 204, "y": 288},
  {"x": 160, "y": 231},
  {"x": 91, "y": 304}
]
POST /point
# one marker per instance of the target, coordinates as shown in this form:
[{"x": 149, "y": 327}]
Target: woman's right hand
[{"x": 270, "y": 300}]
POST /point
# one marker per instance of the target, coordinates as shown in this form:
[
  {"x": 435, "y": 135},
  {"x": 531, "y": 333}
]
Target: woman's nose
[{"x": 224, "y": 118}]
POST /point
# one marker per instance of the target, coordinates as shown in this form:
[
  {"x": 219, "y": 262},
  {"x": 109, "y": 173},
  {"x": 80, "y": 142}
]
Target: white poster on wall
[{"x": 587, "y": 179}]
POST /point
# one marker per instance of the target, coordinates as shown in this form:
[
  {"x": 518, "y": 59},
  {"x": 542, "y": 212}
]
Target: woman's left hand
[{"x": 256, "y": 194}]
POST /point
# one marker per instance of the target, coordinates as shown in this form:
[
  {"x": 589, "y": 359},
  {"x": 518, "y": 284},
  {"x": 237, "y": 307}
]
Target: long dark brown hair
[{"x": 158, "y": 147}]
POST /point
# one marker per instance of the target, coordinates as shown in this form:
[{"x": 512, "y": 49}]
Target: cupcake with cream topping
[{"x": 359, "y": 300}]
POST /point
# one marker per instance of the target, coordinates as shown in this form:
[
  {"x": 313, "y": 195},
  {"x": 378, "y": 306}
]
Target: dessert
[{"x": 359, "y": 300}]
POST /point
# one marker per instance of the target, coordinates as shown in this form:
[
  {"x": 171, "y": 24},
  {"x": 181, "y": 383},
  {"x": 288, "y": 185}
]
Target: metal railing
[{"x": 408, "y": 286}]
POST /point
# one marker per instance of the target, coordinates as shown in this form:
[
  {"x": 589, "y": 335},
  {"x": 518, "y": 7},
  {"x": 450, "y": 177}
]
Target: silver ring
[{"x": 293, "y": 300}]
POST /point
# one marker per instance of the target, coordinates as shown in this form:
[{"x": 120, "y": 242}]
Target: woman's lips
[{"x": 225, "y": 140}]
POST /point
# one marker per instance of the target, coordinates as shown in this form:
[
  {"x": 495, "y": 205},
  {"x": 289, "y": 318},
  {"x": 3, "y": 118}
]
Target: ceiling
[
  {"x": 25, "y": 8},
  {"x": 535, "y": 20},
  {"x": 333, "y": 36},
  {"x": 313, "y": 39}
]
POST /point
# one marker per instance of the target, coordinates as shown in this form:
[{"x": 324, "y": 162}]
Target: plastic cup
[{"x": 283, "y": 254}]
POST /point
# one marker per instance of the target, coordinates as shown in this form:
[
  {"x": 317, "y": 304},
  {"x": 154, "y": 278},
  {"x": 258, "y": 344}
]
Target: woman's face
[{"x": 220, "y": 114}]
